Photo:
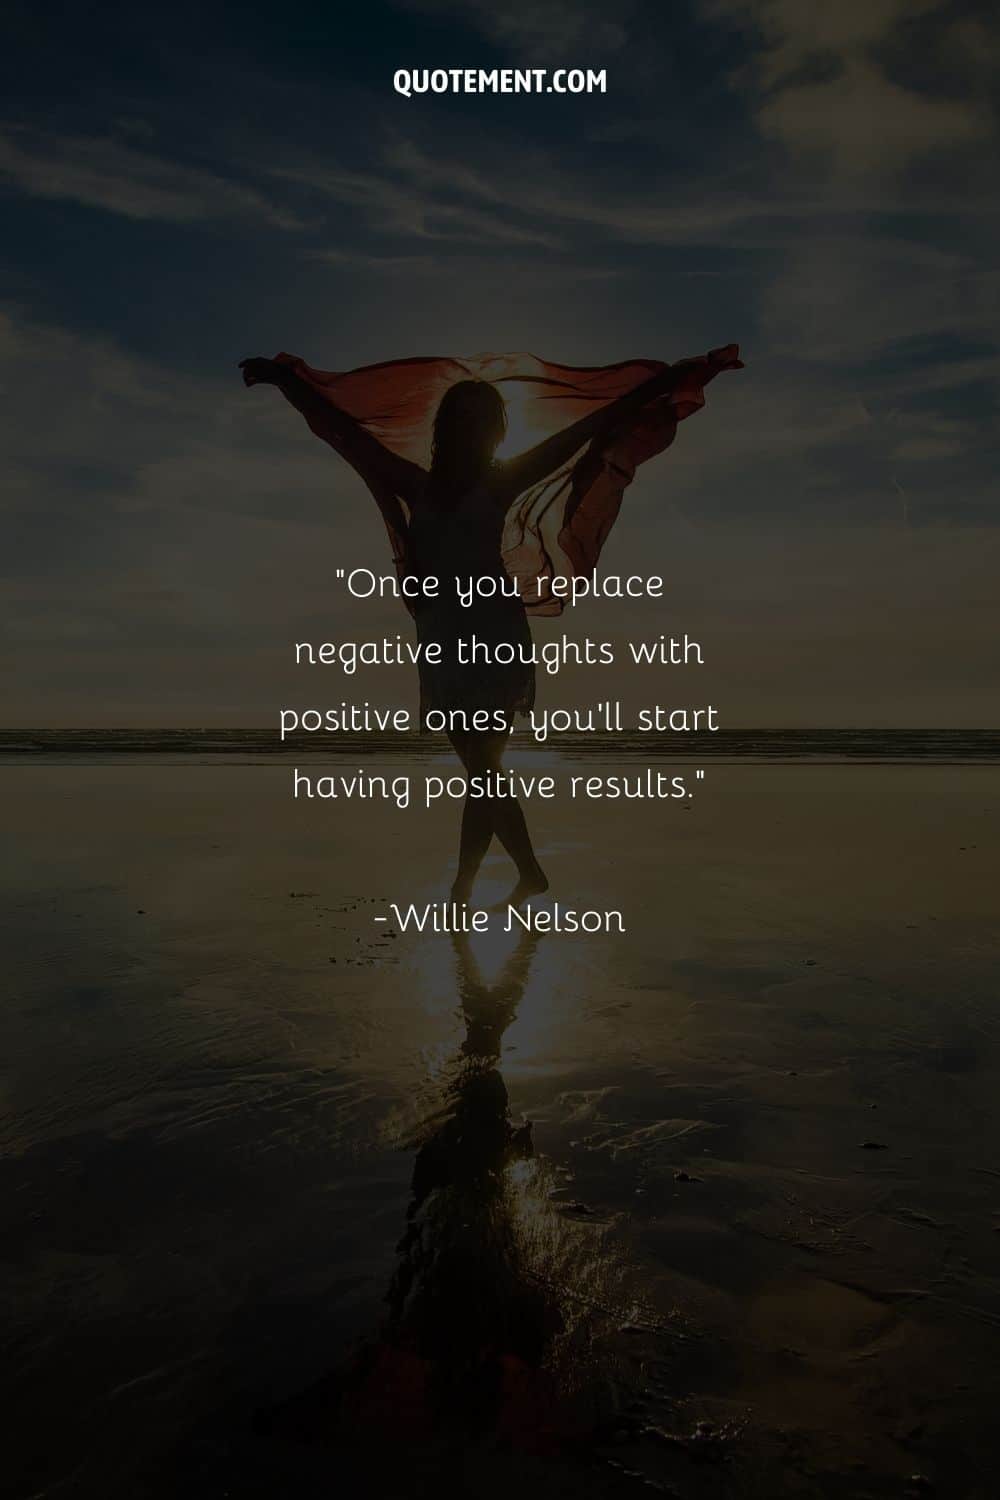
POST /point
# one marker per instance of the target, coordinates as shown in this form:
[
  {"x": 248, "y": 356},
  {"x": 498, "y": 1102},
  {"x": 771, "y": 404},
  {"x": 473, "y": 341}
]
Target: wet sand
[{"x": 747, "y": 1246}]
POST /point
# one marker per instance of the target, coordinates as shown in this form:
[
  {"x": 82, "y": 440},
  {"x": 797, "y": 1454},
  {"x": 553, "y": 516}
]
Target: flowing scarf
[{"x": 557, "y": 527}]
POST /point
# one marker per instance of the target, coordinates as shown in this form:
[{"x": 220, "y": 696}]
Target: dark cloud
[{"x": 814, "y": 181}]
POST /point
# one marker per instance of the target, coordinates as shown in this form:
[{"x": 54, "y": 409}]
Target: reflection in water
[
  {"x": 490, "y": 1307},
  {"x": 468, "y": 1323},
  {"x": 464, "y": 1302}
]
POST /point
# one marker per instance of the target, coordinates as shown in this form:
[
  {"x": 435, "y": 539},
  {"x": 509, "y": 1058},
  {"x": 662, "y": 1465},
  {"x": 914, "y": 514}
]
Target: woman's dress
[{"x": 464, "y": 542}]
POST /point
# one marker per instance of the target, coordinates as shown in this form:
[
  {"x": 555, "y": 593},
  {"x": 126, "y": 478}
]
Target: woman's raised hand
[{"x": 259, "y": 371}]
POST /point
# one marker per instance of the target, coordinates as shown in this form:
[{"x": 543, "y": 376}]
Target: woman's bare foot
[{"x": 533, "y": 884}]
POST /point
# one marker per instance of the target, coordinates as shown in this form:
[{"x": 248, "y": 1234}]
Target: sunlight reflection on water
[{"x": 515, "y": 1270}]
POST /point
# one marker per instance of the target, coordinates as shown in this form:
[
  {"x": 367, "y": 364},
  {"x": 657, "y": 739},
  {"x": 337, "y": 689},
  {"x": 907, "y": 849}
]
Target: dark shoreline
[{"x": 921, "y": 746}]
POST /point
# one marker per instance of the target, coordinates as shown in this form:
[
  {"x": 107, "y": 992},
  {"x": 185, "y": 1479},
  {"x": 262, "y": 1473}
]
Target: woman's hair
[{"x": 469, "y": 426}]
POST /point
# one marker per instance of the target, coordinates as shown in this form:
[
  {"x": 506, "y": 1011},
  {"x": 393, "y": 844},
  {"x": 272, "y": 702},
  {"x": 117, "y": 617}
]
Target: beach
[{"x": 736, "y": 1169}]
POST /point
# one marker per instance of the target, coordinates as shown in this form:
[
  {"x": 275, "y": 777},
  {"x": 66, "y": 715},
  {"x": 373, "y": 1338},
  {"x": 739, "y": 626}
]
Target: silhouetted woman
[{"x": 453, "y": 518}]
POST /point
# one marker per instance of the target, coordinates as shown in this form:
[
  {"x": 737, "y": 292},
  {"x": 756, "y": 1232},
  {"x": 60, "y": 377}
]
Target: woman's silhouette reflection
[
  {"x": 463, "y": 1302},
  {"x": 463, "y": 1349}
]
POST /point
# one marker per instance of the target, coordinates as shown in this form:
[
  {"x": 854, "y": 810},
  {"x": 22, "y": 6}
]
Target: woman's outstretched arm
[
  {"x": 532, "y": 467},
  {"x": 377, "y": 465},
  {"x": 520, "y": 473}
]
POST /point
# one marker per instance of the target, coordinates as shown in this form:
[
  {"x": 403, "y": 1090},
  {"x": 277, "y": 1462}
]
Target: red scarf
[{"x": 558, "y": 526}]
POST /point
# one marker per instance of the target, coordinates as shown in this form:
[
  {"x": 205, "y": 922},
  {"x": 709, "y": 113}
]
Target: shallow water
[{"x": 237, "y": 1115}]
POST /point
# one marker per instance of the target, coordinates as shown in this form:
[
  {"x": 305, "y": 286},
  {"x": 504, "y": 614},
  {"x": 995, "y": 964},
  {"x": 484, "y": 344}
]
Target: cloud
[
  {"x": 828, "y": 80},
  {"x": 529, "y": 272},
  {"x": 860, "y": 121},
  {"x": 413, "y": 210},
  {"x": 563, "y": 30},
  {"x": 103, "y": 173},
  {"x": 929, "y": 439},
  {"x": 795, "y": 35},
  {"x": 172, "y": 535},
  {"x": 851, "y": 296},
  {"x": 415, "y": 191},
  {"x": 167, "y": 536}
]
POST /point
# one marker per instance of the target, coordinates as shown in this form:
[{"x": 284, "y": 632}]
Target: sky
[{"x": 184, "y": 186}]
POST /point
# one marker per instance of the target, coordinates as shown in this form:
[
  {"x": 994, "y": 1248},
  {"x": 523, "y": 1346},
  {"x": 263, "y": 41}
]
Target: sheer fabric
[{"x": 557, "y": 527}]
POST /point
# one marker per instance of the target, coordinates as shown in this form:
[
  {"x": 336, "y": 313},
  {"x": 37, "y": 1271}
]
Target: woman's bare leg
[
  {"x": 484, "y": 816},
  {"x": 508, "y": 821},
  {"x": 477, "y": 831}
]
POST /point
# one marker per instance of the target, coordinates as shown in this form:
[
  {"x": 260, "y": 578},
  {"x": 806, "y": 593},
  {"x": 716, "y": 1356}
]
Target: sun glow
[{"x": 522, "y": 433}]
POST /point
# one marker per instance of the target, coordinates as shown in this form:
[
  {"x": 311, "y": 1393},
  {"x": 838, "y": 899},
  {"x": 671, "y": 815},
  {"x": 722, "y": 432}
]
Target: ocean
[{"x": 944, "y": 746}]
